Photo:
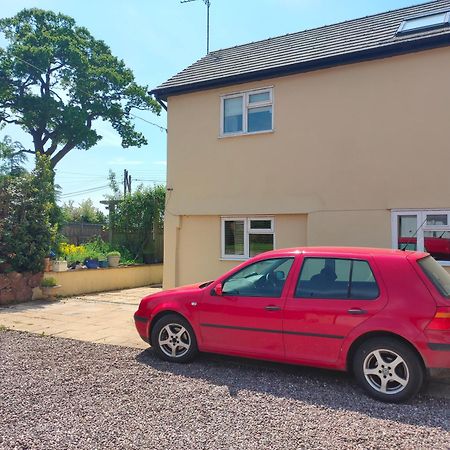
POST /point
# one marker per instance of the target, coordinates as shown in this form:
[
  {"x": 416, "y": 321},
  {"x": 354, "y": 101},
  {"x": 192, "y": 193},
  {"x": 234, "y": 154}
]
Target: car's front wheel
[
  {"x": 173, "y": 339},
  {"x": 388, "y": 370}
]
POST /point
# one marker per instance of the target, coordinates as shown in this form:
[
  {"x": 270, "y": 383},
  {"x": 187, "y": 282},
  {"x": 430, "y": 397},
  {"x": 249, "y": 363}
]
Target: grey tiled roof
[{"x": 310, "y": 49}]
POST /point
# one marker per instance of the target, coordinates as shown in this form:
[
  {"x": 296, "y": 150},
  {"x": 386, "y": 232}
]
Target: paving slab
[{"x": 106, "y": 317}]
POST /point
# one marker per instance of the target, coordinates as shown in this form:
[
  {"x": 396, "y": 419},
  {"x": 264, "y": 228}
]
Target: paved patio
[{"x": 105, "y": 318}]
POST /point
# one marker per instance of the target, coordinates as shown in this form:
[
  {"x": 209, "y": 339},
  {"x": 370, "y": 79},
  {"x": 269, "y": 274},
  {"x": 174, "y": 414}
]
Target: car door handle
[
  {"x": 273, "y": 308},
  {"x": 357, "y": 311}
]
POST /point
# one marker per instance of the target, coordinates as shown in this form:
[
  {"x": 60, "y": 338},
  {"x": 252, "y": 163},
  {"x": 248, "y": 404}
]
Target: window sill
[
  {"x": 231, "y": 135},
  {"x": 233, "y": 258}
]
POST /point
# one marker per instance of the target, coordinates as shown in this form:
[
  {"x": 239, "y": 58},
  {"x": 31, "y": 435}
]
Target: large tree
[{"x": 56, "y": 81}]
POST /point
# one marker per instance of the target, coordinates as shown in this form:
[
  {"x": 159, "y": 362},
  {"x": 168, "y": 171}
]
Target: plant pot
[
  {"x": 103, "y": 264},
  {"x": 91, "y": 263},
  {"x": 59, "y": 266},
  {"x": 113, "y": 261},
  {"x": 47, "y": 265},
  {"x": 49, "y": 292}
]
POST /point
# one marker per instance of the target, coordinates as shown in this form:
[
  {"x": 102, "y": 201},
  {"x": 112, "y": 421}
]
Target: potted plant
[
  {"x": 91, "y": 262},
  {"x": 102, "y": 262},
  {"x": 113, "y": 259},
  {"x": 59, "y": 265},
  {"x": 49, "y": 287}
]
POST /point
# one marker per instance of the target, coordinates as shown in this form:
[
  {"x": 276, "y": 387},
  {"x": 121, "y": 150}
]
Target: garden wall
[
  {"x": 18, "y": 287},
  {"x": 85, "y": 281}
]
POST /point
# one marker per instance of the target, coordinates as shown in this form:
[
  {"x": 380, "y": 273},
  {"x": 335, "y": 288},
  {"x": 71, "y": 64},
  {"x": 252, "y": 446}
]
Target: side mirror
[{"x": 218, "y": 290}]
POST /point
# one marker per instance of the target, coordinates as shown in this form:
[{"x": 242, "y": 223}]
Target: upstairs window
[
  {"x": 247, "y": 112},
  {"x": 423, "y": 23}
]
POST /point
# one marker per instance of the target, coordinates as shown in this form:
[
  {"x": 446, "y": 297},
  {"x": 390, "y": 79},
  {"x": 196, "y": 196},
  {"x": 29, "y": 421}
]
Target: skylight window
[{"x": 423, "y": 23}]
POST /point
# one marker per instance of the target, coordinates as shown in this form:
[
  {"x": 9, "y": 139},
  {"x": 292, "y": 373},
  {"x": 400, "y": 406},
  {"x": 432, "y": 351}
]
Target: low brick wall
[
  {"x": 18, "y": 287},
  {"x": 85, "y": 281}
]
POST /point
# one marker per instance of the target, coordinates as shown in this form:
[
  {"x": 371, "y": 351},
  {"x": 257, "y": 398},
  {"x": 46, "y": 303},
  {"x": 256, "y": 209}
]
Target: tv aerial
[{"x": 208, "y": 4}]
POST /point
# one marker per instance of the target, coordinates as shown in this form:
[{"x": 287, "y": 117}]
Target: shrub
[
  {"x": 49, "y": 282},
  {"x": 27, "y": 209},
  {"x": 114, "y": 253}
]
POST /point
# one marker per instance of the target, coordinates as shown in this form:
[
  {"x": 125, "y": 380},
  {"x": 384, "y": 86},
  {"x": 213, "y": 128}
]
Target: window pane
[
  {"x": 260, "y": 119},
  {"x": 437, "y": 219},
  {"x": 260, "y": 243},
  {"x": 428, "y": 21},
  {"x": 437, "y": 275},
  {"x": 232, "y": 113},
  {"x": 260, "y": 97},
  {"x": 324, "y": 278},
  {"x": 262, "y": 279},
  {"x": 260, "y": 224},
  {"x": 437, "y": 243},
  {"x": 407, "y": 231},
  {"x": 234, "y": 237},
  {"x": 363, "y": 285}
]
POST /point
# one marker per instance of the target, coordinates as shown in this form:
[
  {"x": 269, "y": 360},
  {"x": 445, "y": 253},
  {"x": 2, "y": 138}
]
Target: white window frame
[
  {"x": 247, "y": 232},
  {"x": 246, "y": 106},
  {"x": 445, "y": 23},
  {"x": 421, "y": 215}
]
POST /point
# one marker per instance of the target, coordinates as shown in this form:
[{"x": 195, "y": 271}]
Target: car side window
[
  {"x": 336, "y": 278},
  {"x": 264, "y": 278}
]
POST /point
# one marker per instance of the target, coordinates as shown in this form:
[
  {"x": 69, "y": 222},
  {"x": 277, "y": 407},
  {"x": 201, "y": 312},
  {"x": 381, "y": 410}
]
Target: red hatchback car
[{"x": 384, "y": 314}]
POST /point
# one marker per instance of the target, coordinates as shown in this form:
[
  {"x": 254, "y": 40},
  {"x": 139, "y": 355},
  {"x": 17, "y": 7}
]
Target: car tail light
[{"x": 441, "y": 320}]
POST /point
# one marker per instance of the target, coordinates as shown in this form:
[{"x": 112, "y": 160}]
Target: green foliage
[
  {"x": 12, "y": 157},
  {"x": 136, "y": 217},
  {"x": 85, "y": 212},
  {"x": 95, "y": 249},
  {"x": 49, "y": 282},
  {"x": 27, "y": 210},
  {"x": 114, "y": 185},
  {"x": 113, "y": 254},
  {"x": 57, "y": 81}
]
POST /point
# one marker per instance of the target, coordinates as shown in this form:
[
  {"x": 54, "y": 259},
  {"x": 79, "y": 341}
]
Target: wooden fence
[{"x": 79, "y": 233}]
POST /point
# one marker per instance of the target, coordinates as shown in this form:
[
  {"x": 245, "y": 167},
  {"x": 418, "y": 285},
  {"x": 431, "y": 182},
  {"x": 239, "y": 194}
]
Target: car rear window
[{"x": 436, "y": 274}]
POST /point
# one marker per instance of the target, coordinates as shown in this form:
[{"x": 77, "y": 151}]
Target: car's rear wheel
[
  {"x": 173, "y": 339},
  {"x": 388, "y": 370}
]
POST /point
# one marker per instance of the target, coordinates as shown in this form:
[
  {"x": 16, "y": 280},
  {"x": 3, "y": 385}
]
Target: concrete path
[{"x": 107, "y": 318}]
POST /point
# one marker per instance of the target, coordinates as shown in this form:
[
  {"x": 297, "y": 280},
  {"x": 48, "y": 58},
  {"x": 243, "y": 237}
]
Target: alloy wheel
[
  {"x": 174, "y": 340},
  {"x": 386, "y": 371}
]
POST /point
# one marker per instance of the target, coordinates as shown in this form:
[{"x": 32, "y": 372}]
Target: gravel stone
[{"x": 65, "y": 394}]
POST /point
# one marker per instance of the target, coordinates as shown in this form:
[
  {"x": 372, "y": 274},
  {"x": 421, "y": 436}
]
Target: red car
[{"x": 383, "y": 314}]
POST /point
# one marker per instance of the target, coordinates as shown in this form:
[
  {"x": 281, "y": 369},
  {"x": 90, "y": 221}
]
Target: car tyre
[
  {"x": 173, "y": 339},
  {"x": 388, "y": 370}
]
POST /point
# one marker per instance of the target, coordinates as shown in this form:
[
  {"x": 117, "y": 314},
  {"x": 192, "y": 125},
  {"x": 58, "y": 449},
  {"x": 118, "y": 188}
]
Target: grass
[{"x": 3, "y": 328}]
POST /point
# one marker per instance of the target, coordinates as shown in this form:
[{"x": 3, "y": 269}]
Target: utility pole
[
  {"x": 208, "y": 4},
  {"x": 126, "y": 183}
]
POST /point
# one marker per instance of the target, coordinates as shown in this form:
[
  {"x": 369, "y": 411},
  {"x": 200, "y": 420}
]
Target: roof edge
[{"x": 394, "y": 49}]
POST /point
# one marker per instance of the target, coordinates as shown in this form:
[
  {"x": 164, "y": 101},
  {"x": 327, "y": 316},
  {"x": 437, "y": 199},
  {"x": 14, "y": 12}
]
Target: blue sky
[{"x": 158, "y": 38}]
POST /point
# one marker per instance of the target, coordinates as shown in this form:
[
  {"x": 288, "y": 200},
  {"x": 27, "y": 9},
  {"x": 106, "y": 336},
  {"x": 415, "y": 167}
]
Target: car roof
[{"x": 345, "y": 252}]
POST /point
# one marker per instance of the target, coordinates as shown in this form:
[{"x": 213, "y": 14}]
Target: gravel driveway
[{"x": 59, "y": 393}]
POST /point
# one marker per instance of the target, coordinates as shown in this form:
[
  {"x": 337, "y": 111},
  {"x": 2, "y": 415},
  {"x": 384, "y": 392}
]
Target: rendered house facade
[{"x": 334, "y": 136}]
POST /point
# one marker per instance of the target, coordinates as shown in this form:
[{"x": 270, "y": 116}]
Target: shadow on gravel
[{"x": 329, "y": 389}]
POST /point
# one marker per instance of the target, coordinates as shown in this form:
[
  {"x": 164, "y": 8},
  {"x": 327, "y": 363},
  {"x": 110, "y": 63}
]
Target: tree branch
[{"x": 60, "y": 155}]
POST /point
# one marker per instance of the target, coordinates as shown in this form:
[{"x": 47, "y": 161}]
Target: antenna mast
[{"x": 208, "y": 4}]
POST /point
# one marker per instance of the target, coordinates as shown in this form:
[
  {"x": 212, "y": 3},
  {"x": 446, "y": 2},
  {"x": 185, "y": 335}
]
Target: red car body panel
[{"x": 317, "y": 332}]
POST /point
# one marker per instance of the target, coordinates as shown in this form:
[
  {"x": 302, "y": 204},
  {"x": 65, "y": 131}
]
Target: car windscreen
[{"x": 436, "y": 274}]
